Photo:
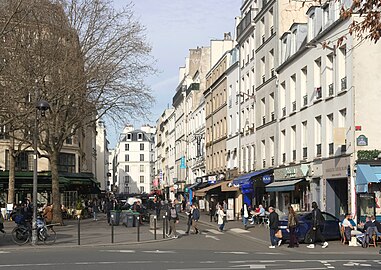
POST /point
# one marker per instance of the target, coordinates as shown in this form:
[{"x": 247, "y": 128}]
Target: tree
[
  {"x": 87, "y": 60},
  {"x": 367, "y": 21}
]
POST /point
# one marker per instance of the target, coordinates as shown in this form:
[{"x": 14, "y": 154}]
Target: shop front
[
  {"x": 336, "y": 179},
  {"x": 248, "y": 182},
  {"x": 368, "y": 191},
  {"x": 290, "y": 187}
]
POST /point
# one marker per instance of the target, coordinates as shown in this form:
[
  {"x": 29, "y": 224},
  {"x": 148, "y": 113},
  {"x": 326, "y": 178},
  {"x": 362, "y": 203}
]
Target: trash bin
[
  {"x": 128, "y": 219},
  {"x": 136, "y": 215},
  {"x": 115, "y": 217},
  {"x": 152, "y": 222}
]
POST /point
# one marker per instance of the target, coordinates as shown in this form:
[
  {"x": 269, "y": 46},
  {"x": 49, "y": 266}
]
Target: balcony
[
  {"x": 305, "y": 100},
  {"x": 294, "y": 155},
  {"x": 330, "y": 90},
  {"x": 318, "y": 150},
  {"x": 304, "y": 152},
  {"x": 263, "y": 78},
  {"x": 330, "y": 149},
  {"x": 284, "y": 111},
  {"x": 284, "y": 158},
  {"x": 263, "y": 120},
  {"x": 294, "y": 106},
  {"x": 344, "y": 83},
  {"x": 272, "y": 116}
]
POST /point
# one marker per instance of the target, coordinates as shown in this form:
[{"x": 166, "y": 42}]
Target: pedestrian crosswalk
[{"x": 211, "y": 231}]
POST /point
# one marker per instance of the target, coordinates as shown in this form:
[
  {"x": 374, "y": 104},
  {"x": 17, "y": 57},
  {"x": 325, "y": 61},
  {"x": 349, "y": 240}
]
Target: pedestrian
[
  {"x": 108, "y": 208},
  {"x": 221, "y": 218},
  {"x": 47, "y": 213},
  {"x": 195, "y": 218},
  {"x": 2, "y": 224},
  {"x": 212, "y": 209},
  {"x": 158, "y": 208},
  {"x": 173, "y": 220},
  {"x": 316, "y": 234},
  {"x": 273, "y": 224},
  {"x": 291, "y": 227},
  {"x": 189, "y": 213},
  {"x": 95, "y": 209},
  {"x": 245, "y": 215}
]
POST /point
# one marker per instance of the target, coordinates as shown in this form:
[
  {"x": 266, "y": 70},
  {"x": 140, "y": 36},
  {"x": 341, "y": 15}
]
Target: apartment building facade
[{"x": 134, "y": 160}]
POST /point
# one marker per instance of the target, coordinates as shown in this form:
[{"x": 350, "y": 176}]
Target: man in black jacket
[
  {"x": 317, "y": 219},
  {"x": 273, "y": 224}
]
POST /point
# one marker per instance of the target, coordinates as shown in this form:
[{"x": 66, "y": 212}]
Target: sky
[{"x": 172, "y": 28}]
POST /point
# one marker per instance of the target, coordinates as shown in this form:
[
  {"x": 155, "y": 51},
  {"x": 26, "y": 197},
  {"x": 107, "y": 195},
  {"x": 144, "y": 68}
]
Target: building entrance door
[{"x": 337, "y": 197}]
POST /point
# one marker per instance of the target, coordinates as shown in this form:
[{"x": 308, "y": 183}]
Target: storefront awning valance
[
  {"x": 203, "y": 191},
  {"x": 245, "y": 179},
  {"x": 287, "y": 185},
  {"x": 367, "y": 174}
]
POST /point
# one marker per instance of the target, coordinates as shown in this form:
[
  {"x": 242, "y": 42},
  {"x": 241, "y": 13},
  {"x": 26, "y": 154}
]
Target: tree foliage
[{"x": 82, "y": 56}]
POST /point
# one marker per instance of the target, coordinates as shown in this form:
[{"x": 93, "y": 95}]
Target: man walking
[
  {"x": 173, "y": 218},
  {"x": 273, "y": 224},
  {"x": 317, "y": 218}
]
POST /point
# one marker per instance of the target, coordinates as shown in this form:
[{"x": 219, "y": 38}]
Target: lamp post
[{"x": 41, "y": 107}]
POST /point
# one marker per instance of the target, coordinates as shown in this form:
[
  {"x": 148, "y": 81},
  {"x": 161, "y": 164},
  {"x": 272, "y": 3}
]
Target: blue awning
[
  {"x": 367, "y": 174},
  {"x": 288, "y": 185},
  {"x": 247, "y": 178}
]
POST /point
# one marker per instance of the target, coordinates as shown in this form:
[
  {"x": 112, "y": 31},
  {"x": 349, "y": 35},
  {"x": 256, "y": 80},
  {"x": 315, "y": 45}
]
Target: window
[
  {"x": 127, "y": 168},
  {"x": 141, "y": 157},
  {"x": 66, "y": 162},
  {"x": 129, "y": 136},
  {"x": 126, "y": 179},
  {"x": 141, "y": 189},
  {"x": 24, "y": 161},
  {"x": 142, "y": 179},
  {"x": 69, "y": 140},
  {"x": 142, "y": 146},
  {"x": 140, "y": 136},
  {"x": 127, "y": 147},
  {"x": 141, "y": 168},
  {"x": 126, "y": 157}
]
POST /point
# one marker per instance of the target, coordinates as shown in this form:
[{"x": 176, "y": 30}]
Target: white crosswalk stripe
[
  {"x": 238, "y": 230},
  {"x": 214, "y": 231},
  {"x": 160, "y": 232}
]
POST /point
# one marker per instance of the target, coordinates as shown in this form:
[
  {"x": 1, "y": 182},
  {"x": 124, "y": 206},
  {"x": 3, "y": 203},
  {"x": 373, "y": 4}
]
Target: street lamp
[{"x": 41, "y": 107}]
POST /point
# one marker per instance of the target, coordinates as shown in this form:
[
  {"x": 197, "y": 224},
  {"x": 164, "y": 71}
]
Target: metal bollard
[
  {"x": 138, "y": 228},
  {"x": 154, "y": 225},
  {"x": 163, "y": 227},
  {"x": 166, "y": 223},
  {"x": 112, "y": 229},
  {"x": 79, "y": 229}
]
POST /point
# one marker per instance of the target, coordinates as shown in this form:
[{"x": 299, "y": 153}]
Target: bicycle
[{"x": 22, "y": 233}]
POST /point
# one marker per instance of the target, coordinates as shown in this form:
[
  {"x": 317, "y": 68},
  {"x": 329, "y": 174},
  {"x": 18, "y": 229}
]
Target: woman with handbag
[{"x": 291, "y": 227}]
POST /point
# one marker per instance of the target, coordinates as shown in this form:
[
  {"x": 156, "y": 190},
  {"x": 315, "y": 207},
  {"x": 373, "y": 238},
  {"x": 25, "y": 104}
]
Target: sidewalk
[{"x": 91, "y": 233}]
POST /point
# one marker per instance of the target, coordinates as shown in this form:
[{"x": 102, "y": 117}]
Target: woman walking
[
  {"x": 291, "y": 227},
  {"x": 221, "y": 218}
]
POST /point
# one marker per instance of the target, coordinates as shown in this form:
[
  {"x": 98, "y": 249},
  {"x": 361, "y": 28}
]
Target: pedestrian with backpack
[
  {"x": 317, "y": 220},
  {"x": 195, "y": 218},
  {"x": 173, "y": 218}
]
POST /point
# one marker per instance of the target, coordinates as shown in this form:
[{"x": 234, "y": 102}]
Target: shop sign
[
  {"x": 335, "y": 168},
  {"x": 292, "y": 172},
  {"x": 362, "y": 140},
  {"x": 266, "y": 179},
  {"x": 212, "y": 179}
]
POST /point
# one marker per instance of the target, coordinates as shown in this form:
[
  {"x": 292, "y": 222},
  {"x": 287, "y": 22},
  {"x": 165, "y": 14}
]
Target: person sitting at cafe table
[{"x": 350, "y": 228}]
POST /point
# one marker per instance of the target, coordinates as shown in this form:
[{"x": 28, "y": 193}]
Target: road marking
[
  {"x": 4, "y": 252},
  {"x": 119, "y": 251},
  {"x": 231, "y": 252},
  {"x": 251, "y": 266},
  {"x": 238, "y": 230},
  {"x": 214, "y": 231},
  {"x": 159, "y": 251},
  {"x": 213, "y": 237}
]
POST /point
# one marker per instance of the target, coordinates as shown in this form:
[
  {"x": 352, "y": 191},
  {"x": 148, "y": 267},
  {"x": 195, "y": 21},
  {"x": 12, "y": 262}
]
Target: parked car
[{"x": 330, "y": 227}]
